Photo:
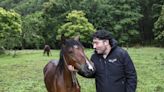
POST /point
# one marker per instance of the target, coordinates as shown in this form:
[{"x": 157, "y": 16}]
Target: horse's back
[
  {"x": 49, "y": 75},
  {"x": 51, "y": 65}
]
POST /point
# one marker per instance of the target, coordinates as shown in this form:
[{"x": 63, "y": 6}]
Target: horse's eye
[{"x": 70, "y": 51}]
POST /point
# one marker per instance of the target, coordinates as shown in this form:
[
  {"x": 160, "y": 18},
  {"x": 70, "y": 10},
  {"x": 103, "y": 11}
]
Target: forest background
[{"x": 30, "y": 24}]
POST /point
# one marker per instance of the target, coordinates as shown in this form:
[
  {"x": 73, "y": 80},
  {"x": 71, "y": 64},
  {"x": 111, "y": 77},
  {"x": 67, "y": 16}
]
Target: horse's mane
[{"x": 69, "y": 43}]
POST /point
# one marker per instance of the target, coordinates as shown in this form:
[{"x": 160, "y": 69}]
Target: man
[{"x": 115, "y": 71}]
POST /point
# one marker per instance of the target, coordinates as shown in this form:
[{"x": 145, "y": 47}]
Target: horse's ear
[
  {"x": 77, "y": 38},
  {"x": 63, "y": 38}
]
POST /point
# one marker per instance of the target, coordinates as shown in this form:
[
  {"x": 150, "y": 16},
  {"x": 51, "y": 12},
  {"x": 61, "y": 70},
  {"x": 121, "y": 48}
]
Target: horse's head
[
  {"x": 73, "y": 54},
  {"x": 57, "y": 76}
]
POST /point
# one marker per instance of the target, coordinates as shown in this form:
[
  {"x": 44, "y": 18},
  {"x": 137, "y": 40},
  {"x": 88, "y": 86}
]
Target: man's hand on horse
[{"x": 71, "y": 68}]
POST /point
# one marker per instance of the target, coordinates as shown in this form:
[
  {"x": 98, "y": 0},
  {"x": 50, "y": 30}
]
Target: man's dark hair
[{"x": 102, "y": 35}]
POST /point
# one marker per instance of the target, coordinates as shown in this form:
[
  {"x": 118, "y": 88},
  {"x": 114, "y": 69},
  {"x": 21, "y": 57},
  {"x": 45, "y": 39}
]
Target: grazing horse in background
[
  {"x": 57, "y": 77},
  {"x": 47, "y": 50}
]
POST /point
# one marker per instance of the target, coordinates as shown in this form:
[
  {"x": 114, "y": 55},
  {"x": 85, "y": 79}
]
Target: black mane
[{"x": 69, "y": 43}]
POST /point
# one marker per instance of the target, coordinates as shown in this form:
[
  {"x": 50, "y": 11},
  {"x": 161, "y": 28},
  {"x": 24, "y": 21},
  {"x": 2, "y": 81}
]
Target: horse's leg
[
  {"x": 50, "y": 53},
  {"x": 44, "y": 52},
  {"x": 47, "y": 53}
]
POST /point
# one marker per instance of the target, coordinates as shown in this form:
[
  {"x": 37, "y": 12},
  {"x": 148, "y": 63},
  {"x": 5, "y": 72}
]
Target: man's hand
[{"x": 71, "y": 68}]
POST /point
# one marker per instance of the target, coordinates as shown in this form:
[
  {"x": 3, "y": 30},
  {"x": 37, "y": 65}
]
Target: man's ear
[{"x": 106, "y": 42}]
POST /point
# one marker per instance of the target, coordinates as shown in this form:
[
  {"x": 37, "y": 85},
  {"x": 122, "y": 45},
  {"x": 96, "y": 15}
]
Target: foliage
[
  {"x": 118, "y": 16},
  {"x": 77, "y": 25},
  {"x": 54, "y": 14},
  {"x": 2, "y": 50},
  {"x": 125, "y": 16},
  {"x": 32, "y": 26},
  {"x": 10, "y": 29},
  {"x": 24, "y": 7},
  {"x": 150, "y": 9},
  {"x": 159, "y": 27},
  {"x": 32, "y": 30},
  {"x": 130, "y": 21}
]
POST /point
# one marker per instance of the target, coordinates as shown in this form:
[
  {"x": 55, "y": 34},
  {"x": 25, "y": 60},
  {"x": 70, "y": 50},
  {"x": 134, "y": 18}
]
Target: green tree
[
  {"x": 159, "y": 28},
  {"x": 118, "y": 16},
  {"x": 54, "y": 13},
  {"x": 10, "y": 29},
  {"x": 77, "y": 25},
  {"x": 24, "y": 7},
  {"x": 150, "y": 9},
  {"x": 125, "y": 20},
  {"x": 33, "y": 25}
]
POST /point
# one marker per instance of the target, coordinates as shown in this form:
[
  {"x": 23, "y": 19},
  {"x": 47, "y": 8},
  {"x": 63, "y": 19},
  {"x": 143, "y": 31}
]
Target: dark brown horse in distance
[
  {"x": 47, "y": 50},
  {"x": 57, "y": 77}
]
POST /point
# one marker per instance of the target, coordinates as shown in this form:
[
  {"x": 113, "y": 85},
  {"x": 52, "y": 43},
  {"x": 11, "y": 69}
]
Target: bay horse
[{"x": 57, "y": 77}]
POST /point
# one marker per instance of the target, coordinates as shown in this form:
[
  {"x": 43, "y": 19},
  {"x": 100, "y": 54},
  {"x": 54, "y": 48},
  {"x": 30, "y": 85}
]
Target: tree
[
  {"x": 77, "y": 25},
  {"x": 150, "y": 9},
  {"x": 10, "y": 29},
  {"x": 31, "y": 17},
  {"x": 117, "y": 16},
  {"x": 125, "y": 17},
  {"x": 32, "y": 36},
  {"x": 24, "y": 7},
  {"x": 54, "y": 13},
  {"x": 130, "y": 21},
  {"x": 159, "y": 28}
]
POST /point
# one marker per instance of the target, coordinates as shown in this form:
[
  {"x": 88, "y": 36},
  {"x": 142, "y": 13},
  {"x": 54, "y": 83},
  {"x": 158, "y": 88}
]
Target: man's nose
[{"x": 94, "y": 46}]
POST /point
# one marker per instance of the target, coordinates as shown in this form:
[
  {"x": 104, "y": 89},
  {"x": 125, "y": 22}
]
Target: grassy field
[{"x": 24, "y": 73}]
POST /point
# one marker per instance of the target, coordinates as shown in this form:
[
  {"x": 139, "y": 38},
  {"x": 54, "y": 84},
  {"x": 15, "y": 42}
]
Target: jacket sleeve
[
  {"x": 86, "y": 72},
  {"x": 130, "y": 73}
]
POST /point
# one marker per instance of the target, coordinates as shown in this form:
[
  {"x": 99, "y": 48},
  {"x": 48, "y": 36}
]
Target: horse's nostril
[{"x": 90, "y": 67}]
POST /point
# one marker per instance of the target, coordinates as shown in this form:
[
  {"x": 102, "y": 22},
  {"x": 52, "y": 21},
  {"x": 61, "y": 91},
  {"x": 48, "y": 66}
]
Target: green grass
[{"x": 24, "y": 73}]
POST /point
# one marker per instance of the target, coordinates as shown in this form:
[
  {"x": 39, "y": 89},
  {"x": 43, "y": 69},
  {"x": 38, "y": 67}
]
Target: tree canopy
[
  {"x": 159, "y": 27},
  {"x": 77, "y": 25},
  {"x": 10, "y": 29},
  {"x": 41, "y": 21}
]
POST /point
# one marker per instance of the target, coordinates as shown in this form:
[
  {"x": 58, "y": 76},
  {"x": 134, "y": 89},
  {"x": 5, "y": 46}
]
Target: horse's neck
[
  {"x": 71, "y": 81},
  {"x": 67, "y": 73},
  {"x": 67, "y": 77},
  {"x": 55, "y": 62}
]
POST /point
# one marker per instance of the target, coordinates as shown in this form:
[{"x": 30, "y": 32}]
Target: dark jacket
[{"x": 116, "y": 73}]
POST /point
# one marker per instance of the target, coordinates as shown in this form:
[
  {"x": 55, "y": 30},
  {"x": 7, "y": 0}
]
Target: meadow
[{"x": 24, "y": 72}]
